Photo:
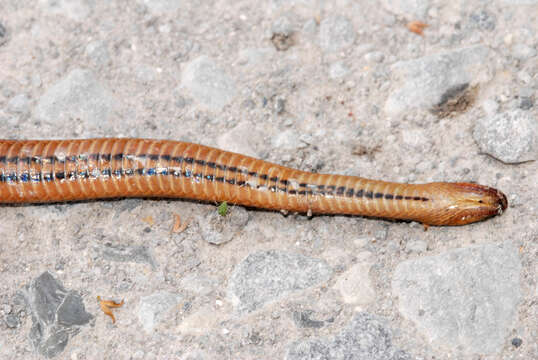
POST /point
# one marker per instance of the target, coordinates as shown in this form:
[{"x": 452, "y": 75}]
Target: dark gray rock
[
  {"x": 208, "y": 83},
  {"x": 464, "y": 298},
  {"x": 511, "y": 137},
  {"x": 336, "y": 33},
  {"x": 57, "y": 314},
  {"x": 270, "y": 275},
  {"x": 431, "y": 81},
  {"x": 78, "y": 95},
  {"x": 366, "y": 337}
]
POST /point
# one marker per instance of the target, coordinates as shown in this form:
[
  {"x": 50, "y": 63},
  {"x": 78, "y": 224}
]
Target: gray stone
[
  {"x": 97, "y": 51},
  {"x": 336, "y": 33},
  {"x": 412, "y": 9},
  {"x": 287, "y": 140},
  {"x": 78, "y": 95},
  {"x": 158, "y": 7},
  {"x": 254, "y": 56},
  {"x": 366, "y": 337},
  {"x": 156, "y": 307},
  {"x": 374, "y": 56},
  {"x": 418, "y": 246},
  {"x": 338, "y": 70},
  {"x": 355, "y": 285},
  {"x": 303, "y": 320},
  {"x": 483, "y": 20},
  {"x": 282, "y": 26},
  {"x": 217, "y": 229},
  {"x": 519, "y": 2},
  {"x": 19, "y": 104},
  {"x": 268, "y": 276},
  {"x": 197, "y": 284},
  {"x": 3, "y": 34},
  {"x": 208, "y": 83},
  {"x": 511, "y": 137},
  {"x": 122, "y": 253},
  {"x": 241, "y": 139},
  {"x": 431, "y": 81},
  {"x": 12, "y": 321},
  {"x": 522, "y": 52},
  {"x": 77, "y": 10},
  {"x": 465, "y": 298},
  {"x": 57, "y": 314}
]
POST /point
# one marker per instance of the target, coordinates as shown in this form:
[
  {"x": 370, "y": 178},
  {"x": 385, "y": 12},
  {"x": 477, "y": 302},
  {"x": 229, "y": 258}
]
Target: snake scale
[{"x": 36, "y": 171}]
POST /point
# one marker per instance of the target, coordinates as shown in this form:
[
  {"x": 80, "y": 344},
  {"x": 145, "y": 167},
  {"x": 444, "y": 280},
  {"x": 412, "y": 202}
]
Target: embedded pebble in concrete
[
  {"x": 122, "y": 253},
  {"x": 365, "y": 337},
  {"x": 355, "y": 285},
  {"x": 79, "y": 95},
  {"x": 77, "y": 10},
  {"x": 336, "y": 33},
  {"x": 465, "y": 298},
  {"x": 159, "y": 7},
  {"x": 511, "y": 136},
  {"x": 217, "y": 229},
  {"x": 431, "y": 81},
  {"x": 204, "y": 80},
  {"x": 156, "y": 308},
  {"x": 267, "y": 276},
  {"x": 19, "y": 104},
  {"x": 57, "y": 314}
]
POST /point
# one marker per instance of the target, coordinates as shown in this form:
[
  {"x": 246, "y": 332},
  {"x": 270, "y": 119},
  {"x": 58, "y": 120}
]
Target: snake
[{"x": 48, "y": 171}]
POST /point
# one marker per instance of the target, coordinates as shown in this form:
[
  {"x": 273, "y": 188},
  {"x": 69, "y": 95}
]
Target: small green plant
[{"x": 223, "y": 208}]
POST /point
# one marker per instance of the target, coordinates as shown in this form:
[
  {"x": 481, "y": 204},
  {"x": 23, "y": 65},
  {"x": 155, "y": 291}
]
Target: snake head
[{"x": 473, "y": 202}]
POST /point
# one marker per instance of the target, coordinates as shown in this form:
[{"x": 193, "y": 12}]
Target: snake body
[{"x": 36, "y": 171}]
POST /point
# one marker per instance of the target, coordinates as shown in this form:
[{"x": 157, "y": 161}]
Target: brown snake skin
[{"x": 35, "y": 171}]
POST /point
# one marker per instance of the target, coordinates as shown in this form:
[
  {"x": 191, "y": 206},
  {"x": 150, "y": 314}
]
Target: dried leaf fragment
[
  {"x": 107, "y": 305},
  {"x": 179, "y": 226},
  {"x": 417, "y": 27}
]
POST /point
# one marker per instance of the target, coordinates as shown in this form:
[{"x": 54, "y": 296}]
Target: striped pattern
[{"x": 64, "y": 170}]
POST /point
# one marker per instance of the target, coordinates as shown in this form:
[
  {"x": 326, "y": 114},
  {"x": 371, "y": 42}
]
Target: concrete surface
[{"x": 330, "y": 86}]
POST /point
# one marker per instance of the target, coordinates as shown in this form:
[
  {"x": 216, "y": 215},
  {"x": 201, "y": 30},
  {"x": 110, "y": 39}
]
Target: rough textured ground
[{"x": 329, "y": 86}]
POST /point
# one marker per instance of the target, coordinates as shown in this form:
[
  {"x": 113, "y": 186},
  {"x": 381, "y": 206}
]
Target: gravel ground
[{"x": 329, "y": 86}]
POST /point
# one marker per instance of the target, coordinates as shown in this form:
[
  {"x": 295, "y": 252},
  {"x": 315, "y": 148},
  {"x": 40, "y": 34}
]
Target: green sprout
[{"x": 223, "y": 208}]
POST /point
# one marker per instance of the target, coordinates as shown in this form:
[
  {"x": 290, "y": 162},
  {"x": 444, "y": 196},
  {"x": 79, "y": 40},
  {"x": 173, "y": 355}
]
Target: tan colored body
[{"x": 64, "y": 170}]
